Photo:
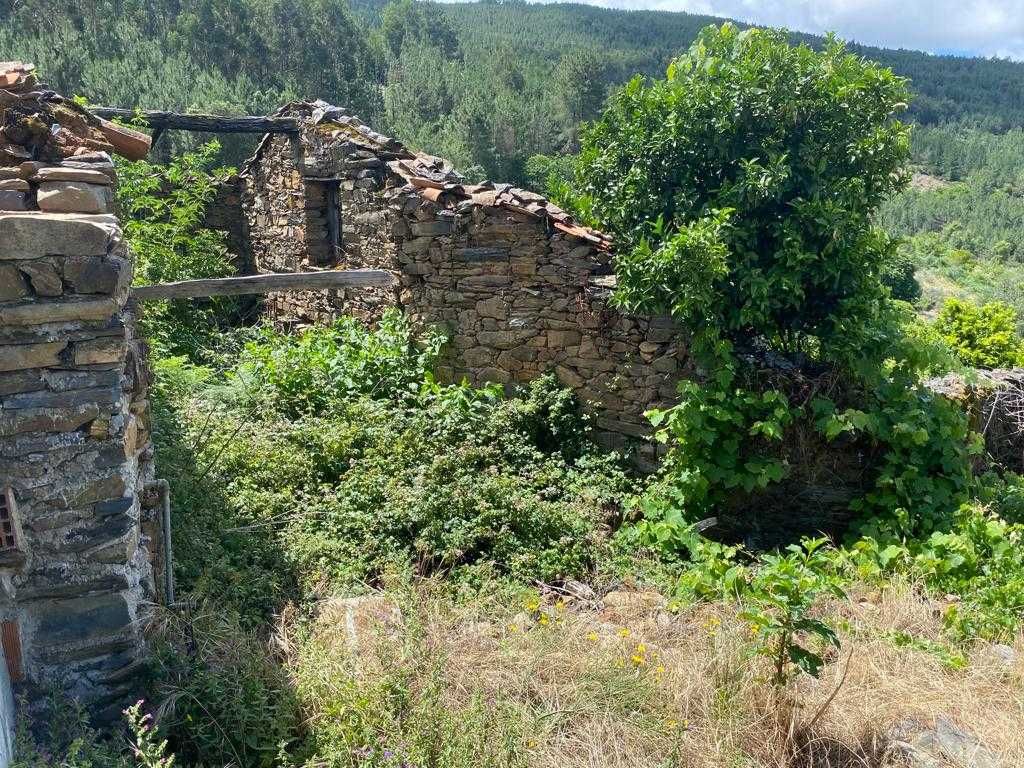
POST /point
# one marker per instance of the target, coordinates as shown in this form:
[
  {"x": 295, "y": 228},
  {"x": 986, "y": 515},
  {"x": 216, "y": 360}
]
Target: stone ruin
[
  {"x": 76, "y": 545},
  {"x": 519, "y": 286}
]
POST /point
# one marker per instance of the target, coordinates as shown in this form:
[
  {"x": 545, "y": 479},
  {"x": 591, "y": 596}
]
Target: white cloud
[{"x": 974, "y": 27}]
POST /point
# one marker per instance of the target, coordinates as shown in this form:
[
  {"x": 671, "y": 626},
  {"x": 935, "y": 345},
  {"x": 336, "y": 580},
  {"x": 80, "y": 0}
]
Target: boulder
[
  {"x": 82, "y": 620},
  {"x": 19, "y": 357},
  {"x": 43, "y": 276},
  {"x": 12, "y": 283},
  {"x": 101, "y": 351},
  {"x": 943, "y": 745},
  {"x": 92, "y": 274},
  {"x": 58, "y": 312}
]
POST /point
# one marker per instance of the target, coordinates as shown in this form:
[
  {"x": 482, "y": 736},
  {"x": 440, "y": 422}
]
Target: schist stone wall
[
  {"x": 521, "y": 289},
  {"x": 75, "y": 570}
]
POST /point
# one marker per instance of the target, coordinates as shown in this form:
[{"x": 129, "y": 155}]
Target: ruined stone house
[{"x": 520, "y": 288}]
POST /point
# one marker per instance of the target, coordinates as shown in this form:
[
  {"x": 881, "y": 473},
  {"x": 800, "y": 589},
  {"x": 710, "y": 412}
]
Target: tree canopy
[{"x": 741, "y": 188}]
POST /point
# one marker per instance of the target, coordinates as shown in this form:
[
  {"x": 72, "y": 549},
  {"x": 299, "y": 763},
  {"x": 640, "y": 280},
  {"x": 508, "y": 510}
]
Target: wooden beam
[
  {"x": 205, "y": 123},
  {"x": 258, "y": 284}
]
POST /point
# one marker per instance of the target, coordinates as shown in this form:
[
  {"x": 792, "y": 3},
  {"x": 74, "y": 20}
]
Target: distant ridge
[{"x": 986, "y": 92}]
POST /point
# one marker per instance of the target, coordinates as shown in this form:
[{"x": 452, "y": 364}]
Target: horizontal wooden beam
[
  {"x": 252, "y": 284},
  {"x": 205, "y": 123}
]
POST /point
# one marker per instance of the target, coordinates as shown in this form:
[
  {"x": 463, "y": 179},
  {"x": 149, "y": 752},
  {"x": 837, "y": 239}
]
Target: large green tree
[{"x": 741, "y": 188}]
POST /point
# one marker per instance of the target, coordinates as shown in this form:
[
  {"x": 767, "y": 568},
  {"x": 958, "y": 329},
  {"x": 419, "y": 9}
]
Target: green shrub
[
  {"x": 550, "y": 417},
  {"x": 720, "y": 439},
  {"x": 163, "y": 209},
  {"x": 741, "y": 190},
  {"x": 741, "y": 187},
  {"x": 376, "y": 482},
  {"x": 777, "y": 591},
  {"x": 979, "y": 560},
  {"x": 148, "y": 749},
  {"x": 322, "y": 367},
  {"x": 217, "y": 553},
  {"x": 898, "y": 276},
  {"x": 778, "y": 600},
  {"x": 918, "y": 446},
  {"x": 224, "y": 698},
  {"x": 976, "y": 558},
  {"x": 982, "y": 336},
  {"x": 63, "y": 738},
  {"x": 322, "y": 460}
]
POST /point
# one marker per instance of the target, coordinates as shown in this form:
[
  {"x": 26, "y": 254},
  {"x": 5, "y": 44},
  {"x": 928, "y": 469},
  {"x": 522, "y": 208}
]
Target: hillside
[
  {"x": 487, "y": 84},
  {"x": 989, "y": 92},
  {"x": 754, "y": 500}
]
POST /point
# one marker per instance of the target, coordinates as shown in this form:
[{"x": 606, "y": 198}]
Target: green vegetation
[
  {"x": 163, "y": 210},
  {"x": 755, "y": 194},
  {"x": 390, "y": 467},
  {"x": 486, "y": 84},
  {"x": 742, "y": 201},
  {"x": 67, "y": 740},
  {"x": 983, "y": 337}
]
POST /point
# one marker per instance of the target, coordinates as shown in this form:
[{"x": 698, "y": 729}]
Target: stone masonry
[
  {"x": 75, "y": 573},
  {"x": 520, "y": 288}
]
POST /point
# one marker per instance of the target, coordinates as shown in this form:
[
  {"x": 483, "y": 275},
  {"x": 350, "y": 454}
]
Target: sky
[{"x": 965, "y": 27}]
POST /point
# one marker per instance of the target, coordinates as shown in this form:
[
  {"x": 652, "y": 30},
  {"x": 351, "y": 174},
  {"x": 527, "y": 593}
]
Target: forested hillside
[{"x": 487, "y": 84}]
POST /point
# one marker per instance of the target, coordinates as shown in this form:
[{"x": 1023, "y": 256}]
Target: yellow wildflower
[
  {"x": 624, "y": 632},
  {"x": 592, "y": 637}
]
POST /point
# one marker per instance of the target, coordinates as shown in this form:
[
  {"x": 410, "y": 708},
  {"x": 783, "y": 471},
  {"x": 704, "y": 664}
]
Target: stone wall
[
  {"x": 75, "y": 575},
  {"x": 519, "y": 287}
]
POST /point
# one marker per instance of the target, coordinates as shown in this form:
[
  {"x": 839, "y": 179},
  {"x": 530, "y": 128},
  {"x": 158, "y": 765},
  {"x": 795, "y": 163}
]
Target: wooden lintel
[
  {"x": 258, "y": 284},
  {"x": 204, "y": 123}
]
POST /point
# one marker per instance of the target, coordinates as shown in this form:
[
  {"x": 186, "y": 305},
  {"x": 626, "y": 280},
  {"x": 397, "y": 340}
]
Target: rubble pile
[{"x": 55, "y": 154}]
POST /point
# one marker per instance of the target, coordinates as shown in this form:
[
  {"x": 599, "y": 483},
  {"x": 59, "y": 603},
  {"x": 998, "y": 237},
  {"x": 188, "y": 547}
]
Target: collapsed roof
[
  {"x": 37, "y": 124},
  {"x": 432, "y": 177}
]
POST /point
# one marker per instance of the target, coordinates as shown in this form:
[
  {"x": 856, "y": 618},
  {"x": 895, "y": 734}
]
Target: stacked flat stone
[
  {"x": 74, "y": 445},
  {"x": 84, "y": 184}
]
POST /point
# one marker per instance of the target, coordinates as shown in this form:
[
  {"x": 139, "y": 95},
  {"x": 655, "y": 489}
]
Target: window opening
[{"x": 8, "y": 535}]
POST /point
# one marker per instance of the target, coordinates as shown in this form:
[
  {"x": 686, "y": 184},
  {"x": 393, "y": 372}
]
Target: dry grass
[{"x": 631, "y": 684}]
